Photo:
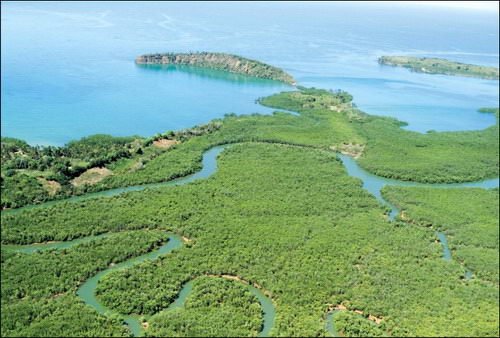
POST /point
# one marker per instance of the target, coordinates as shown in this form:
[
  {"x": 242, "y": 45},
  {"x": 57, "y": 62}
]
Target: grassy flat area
[{"x": 440, "y": 66}]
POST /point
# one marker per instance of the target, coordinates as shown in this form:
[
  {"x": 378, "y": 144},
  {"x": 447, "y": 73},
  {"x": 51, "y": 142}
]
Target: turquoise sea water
[{"x": 68, "y": 68}]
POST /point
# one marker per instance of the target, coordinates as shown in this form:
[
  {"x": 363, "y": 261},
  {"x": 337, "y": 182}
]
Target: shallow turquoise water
[
  {"x": 68, "y": 70},
  {"x": 444, "y": 243}
]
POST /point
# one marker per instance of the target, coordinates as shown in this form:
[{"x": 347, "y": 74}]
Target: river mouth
[{"x": 374, "y": 184}]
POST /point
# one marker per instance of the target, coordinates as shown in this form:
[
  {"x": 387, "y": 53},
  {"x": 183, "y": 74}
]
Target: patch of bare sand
[
  {"x": 241, "y": 280},
  {"x": 52, "y": 187},
  {"x": 91, "y": 176},
  {"x": 352, "y": 149},
  {"x": 341, "y": 307},
  {"x": 165, "y": 143}
]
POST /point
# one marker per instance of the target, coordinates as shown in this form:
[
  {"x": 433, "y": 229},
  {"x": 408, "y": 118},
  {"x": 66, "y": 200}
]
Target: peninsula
[
  {"x": 440, "y": 66},
  {"x": 220, "y": 61}
]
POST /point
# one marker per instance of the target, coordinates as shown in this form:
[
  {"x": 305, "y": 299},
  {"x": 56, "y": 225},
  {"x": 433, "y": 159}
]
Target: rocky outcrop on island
[{"x": 220, "y": 61}]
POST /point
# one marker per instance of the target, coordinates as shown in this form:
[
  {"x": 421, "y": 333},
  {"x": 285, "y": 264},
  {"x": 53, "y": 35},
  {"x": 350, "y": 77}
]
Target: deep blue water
[{"x": 68, "y": 68}]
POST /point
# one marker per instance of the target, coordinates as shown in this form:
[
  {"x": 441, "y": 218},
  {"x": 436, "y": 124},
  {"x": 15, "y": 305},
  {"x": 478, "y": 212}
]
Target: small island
[
  {"x": 220, "y": 61},
  {"x": 440, "y": 66}
]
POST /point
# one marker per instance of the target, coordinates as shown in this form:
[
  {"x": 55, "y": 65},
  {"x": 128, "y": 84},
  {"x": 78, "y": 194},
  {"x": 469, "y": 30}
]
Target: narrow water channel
[
  {"x": 87, "y": 290},
  {"x": 209, "y": 166},
  {"x": 374, "y": 184}
]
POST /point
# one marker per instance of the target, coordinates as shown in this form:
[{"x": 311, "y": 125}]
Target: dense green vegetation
[
  {"x": 437, "y": 157},
  {"x": 21, "y": 189},
  {"x": 62, "y": 316},
  {"x": 433, "y": 157},
  {"x": 290, "y": 219},
  {"x": 469, "y": 218},
  {"x": 26, "y": 168},
  {"x": 355, "y": 325},
  {"x": 38, "y": 290},
  {"x": 280, "y": 212},
  {"x": 328, "y": 120},
  {"x": 220, "y": 61},
  {"x": 440, "y": 66},
  {"x": 216, "y": 307}
]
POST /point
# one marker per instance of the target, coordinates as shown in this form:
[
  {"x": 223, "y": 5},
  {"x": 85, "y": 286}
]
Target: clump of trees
[
  {"x": 188, "y": 133},
  {"x": 228, "y": 309}
]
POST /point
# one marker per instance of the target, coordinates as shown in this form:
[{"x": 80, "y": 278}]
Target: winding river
[
  {"x": 371, "y": 183},
  {"x": 374, "y": 184},
  {"x": 86, "y": 291},
  {"x": 173, "y": 241}
]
